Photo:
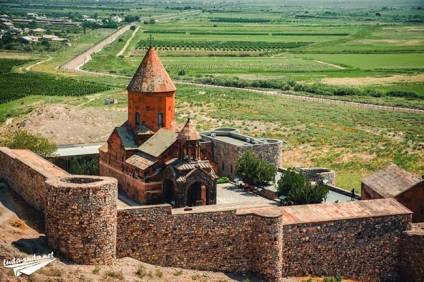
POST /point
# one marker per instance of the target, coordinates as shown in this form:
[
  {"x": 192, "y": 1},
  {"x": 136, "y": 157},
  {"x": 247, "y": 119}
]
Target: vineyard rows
[
  {"x": 19, "y": 85},
  {"x": 223, "y": 45},
  {"x": 244, "y": 33}
]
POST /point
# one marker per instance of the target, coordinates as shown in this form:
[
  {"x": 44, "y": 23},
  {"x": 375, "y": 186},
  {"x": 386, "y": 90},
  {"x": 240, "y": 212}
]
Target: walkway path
[
  {"x": 75, "y": 63},
  {"x": 128, "y": 42},
  {"x": 28, "y": 68}
]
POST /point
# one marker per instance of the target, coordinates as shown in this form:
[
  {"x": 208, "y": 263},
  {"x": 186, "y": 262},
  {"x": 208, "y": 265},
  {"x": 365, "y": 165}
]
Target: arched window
[
  {"x": 160, "y": 119},
  {"x": 137, "y": 118}
]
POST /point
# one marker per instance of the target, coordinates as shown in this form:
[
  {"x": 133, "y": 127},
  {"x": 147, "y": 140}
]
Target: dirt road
[{"x": 75, "y": 63}]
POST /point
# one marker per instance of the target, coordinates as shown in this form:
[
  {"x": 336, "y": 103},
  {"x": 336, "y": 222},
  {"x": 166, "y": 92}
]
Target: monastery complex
[
  {"x": 166, "y": 166},
  {"x": 157, "y": 160}
]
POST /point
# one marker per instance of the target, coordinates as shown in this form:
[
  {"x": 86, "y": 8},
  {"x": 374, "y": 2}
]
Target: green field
[
  {"x": 304, "y": 43},
  {"x": 373, "y": 61},
  {"x": 352, "y": 141}
]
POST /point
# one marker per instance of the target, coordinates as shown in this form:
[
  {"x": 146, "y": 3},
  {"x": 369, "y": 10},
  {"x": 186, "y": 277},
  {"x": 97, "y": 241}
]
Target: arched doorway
[
  {"x": 196, "y": 194},
  {"x": 168, "y": 191}
]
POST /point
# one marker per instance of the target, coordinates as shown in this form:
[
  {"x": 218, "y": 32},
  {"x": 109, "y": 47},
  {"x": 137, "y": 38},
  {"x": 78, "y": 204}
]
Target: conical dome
[
  {"x": 189, "y": 132},
  {"x": 151, "y": 76}
]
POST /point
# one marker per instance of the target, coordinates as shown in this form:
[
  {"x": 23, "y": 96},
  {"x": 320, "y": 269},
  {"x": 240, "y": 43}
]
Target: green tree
[
  {"x": 22, "y": 139},
  {"x": 84, "y": 166},
  {"x": 254, "y": 171},
  {"x": 299, "y": 190}
]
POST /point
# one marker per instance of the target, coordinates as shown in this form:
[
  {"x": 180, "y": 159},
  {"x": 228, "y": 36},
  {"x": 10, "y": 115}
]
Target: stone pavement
[{"x": 228, "y": 193}]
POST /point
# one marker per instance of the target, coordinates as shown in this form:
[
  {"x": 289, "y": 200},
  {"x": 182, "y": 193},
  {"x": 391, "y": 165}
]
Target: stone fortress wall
[
  {"x": 80, "y": 211},
  {"x": 227, "y": 144},
  {"x": 226, "y": 240},
  {"x": 366, "y": 240},
  {"x": 80, "y": 218}
]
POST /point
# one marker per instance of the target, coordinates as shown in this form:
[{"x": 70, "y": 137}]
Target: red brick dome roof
[
  {"x": 151, "y": 76},
  {"x": 189, "y": 132}
]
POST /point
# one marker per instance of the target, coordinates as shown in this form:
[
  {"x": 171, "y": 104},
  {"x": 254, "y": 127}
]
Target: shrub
[
  {"x": 178, "y": 272},
  {"x": 406, "y": 94},
  {"x": 96, "y": 270},
  {"x": 115, "y": 274},
  {"x": 158, "y": 273},
  {"x": 22, "y": 139},
  {"x": 299, "y": 190},
  {"x": 254, "y": 171},
  {"x": 141, "y": 271},
  {"x": 223, "y": 180}
]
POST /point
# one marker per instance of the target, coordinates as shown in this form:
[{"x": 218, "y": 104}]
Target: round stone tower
[{"x": 81, "y": 218}]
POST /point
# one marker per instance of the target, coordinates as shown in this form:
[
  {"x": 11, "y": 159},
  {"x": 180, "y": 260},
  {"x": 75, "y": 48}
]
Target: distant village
[{"x": 38, "y": 28}]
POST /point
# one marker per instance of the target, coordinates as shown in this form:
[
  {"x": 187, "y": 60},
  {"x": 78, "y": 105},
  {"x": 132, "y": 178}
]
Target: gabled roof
[
  {"x": 189, "y": 132},
  {"x": 159, "y": 142},
  {"x": 126, "y": 137},
  {"x": 151, "y": 76},
  {"x": 391, "y": 181},
  {"x": 141, "y": 160},
  {"x": 143, "y": 129}
]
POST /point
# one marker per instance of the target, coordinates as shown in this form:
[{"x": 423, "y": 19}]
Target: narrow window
[
  {"x": 222, "y": 166},
  {"x": 160, "y": 120},
  {"x": 137, "y": 118},
  {"x": 231, "y": 168}
]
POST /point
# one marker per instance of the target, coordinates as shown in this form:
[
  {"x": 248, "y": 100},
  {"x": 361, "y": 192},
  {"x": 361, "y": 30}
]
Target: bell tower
[{"x": 151, "y": 96}]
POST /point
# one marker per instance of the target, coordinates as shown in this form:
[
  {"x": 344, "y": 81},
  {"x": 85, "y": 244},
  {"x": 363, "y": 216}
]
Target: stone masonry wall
[
  {"x": 267, "y": 239},
  {"x": 226, "y": 154},
  {"x": 412, "y": 254},
  {"x": 317, "y": 174},
  {"x": 413, "y": 199},
  {"x": 26, "y": 172},
  {"x": 216, "y": 241},
  {"x": 80, "y": 218},
  {"x": 366, "y": 249}
]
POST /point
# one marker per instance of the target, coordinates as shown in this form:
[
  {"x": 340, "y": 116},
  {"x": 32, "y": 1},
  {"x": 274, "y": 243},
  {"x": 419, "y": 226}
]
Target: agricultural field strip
[
  {"x": 312, "y": 99},
  {"x": 28, "y": 68}
]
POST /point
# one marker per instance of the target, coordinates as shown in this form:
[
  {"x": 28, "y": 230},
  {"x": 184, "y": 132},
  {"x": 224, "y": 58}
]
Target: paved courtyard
[{"x": 230, "y": 194}]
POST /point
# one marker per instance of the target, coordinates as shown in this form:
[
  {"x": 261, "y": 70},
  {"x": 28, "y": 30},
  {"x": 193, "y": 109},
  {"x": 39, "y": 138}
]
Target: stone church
[{"x": 154, "y": 159}]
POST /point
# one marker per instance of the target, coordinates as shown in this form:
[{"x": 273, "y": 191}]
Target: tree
[
  {"x": 22, "y": 139},
  {"x": 84, "y": 166},
  {"x": 254, "y": 171},
  {"x": 299, "y": 190}
]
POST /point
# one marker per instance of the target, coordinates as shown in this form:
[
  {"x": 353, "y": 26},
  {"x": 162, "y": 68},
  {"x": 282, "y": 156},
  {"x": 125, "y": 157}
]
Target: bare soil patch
[
  {"x": 360, "y": 81},
  {"x": 5, "y": 55},
  {"x": 67, "y": 124}
]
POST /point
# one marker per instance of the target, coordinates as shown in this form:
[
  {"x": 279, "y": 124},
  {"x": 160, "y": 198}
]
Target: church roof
[
  {"x": 159, "y": 142},
  {"x": 126, "y": 137},
  {"x": 143, "y": 129},
  {"x": 189, "y": 132},
  {"x": 391, "y": 181},
  {"x": 141, "y": 161},
  {"x": 151, "y": 76}
]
